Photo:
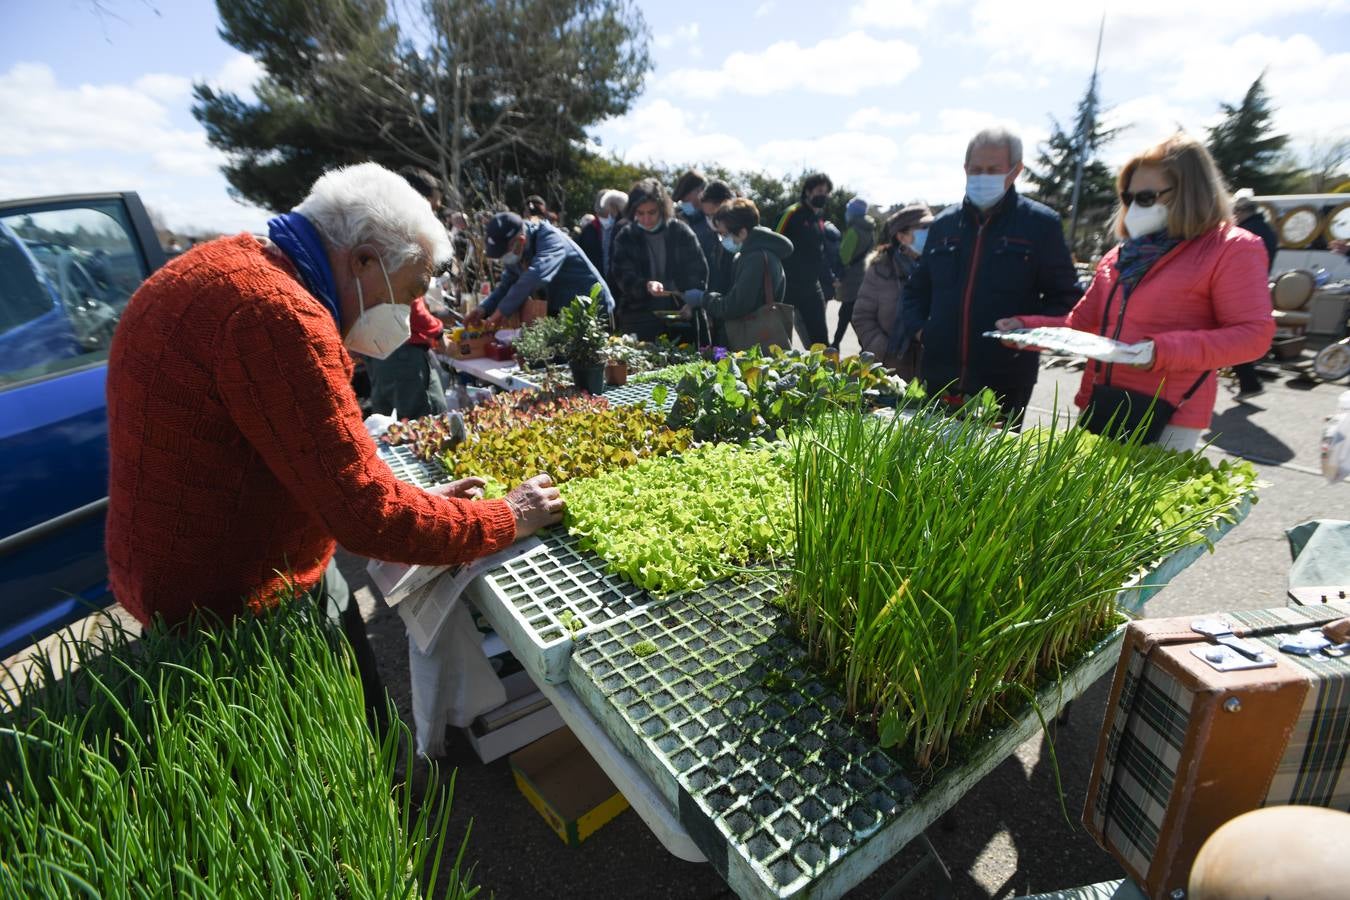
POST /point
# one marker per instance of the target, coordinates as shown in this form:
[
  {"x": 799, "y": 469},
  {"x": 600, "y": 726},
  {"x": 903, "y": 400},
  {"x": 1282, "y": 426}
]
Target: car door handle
[{"x": 21, "y": 539}]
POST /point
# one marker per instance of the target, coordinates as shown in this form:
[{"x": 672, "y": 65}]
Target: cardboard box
[
  {"x": 469, "y": 348},
  {"x": 566, "y": 786},
  {"x": 526, "y": 716}
]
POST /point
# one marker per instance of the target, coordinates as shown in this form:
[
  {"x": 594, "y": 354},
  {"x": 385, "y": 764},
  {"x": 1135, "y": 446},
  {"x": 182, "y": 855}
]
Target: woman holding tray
[{"x": 1185, "y": 278}]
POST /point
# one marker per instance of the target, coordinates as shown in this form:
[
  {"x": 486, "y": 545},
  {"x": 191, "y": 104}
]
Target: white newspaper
[
  {"x": 424, "y": 595},
  {"x": 1078, "y": 343}
]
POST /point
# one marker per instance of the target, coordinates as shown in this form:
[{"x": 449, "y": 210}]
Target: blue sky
[{"x": 880, "y": 93}]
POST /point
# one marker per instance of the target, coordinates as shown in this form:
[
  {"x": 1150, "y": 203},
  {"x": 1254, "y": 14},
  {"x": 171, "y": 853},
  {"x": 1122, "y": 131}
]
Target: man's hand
[
  {"x": 464, "y": 489},
  {"x": 494, "y": 321},
  {"x": 656, "y": 289},
  {"x": 474, "y": 317},
  {"x": 536, "y": 504},
  {"x": 1012, "y": 323}
]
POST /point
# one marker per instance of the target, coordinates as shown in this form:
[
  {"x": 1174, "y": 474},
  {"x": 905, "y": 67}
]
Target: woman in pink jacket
[{"x": 1184, "y": 277}]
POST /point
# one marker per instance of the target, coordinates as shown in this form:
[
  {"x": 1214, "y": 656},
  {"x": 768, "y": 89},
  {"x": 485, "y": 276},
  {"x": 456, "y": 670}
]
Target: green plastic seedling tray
[
  {"x": 640, "y": 395},
  {"x": 407, "y": 467},
  {"x": 782, "y": 793},
  {"x": 1145, "y": 587},
  {"x": 542, "y": 601}
]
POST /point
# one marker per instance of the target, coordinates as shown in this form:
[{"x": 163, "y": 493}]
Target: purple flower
[{"x": 719, "y": 354}]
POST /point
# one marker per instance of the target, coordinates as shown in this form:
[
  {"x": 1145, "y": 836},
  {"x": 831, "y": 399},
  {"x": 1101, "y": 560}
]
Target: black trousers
[
  {"x": 407, "y": 382},
  {"x": 810, "y": 303},
  {"x": 845, "y": 317},
  {"x": 334, "y": 598}
]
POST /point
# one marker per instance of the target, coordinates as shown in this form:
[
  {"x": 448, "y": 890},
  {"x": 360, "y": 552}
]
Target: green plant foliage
[
  {"x": 540, "y": 341},
  {"x": 679, "y": 522},
  {"x": 431, "y": 437},
  {"x": 945, "y": 569},
  {"x": 749, "y": 395},
  {"x": 671, "y": 374},
  {"x": 566, "y": 446},
  {"x": 585, "y": 331},
  {"x": 206, "y": 763}
]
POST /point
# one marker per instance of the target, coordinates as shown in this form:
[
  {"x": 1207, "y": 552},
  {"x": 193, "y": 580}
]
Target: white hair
[
  {"x": 610, "y": 197},
  {"x": 369, "y": 204},
  {"x": 997, "y": 137}
]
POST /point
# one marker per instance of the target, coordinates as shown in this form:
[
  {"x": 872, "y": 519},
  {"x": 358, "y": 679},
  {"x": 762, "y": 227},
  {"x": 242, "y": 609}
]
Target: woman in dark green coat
[{"x": 755, "y": 247}]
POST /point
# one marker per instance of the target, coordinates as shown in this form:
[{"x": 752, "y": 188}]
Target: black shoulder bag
[{"x": 1117, "y": 412}]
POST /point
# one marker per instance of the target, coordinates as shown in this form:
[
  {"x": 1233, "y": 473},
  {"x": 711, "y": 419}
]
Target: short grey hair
[
  {"x": 369, "y": 204},
  {"x": 610, "y": 197},
  {"x": 996, "y": 137}
]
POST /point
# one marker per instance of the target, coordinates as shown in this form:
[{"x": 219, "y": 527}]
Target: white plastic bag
[
  {"x": 452, "y": 681},
  {"x": 1336, "y": 442}
]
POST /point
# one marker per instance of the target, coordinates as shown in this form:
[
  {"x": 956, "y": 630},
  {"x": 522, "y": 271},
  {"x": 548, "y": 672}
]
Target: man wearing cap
[
  {"x": 984, "y": 259},
  {"x": 535, "y": 255},
  {"x": 1249, "y": 217},
  {"x": 859, "y": 236}
]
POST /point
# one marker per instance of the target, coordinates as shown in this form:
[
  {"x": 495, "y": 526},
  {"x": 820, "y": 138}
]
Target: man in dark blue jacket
[
  {"x": 989, "y": 257},
  {"x": 535, "y": 255}
]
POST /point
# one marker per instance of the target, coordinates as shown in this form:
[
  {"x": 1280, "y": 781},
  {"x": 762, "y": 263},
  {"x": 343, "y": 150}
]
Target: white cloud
[
  {"x": 57, "y": 138},
  {"x": 1007, "y": 79},
  {"x": 881, "y": 168},
  {"x": 683, "y": 35},
  {"x": 824, "y": 68},
  {"x": 238, "y": 76},
  {"x": 894, "y": 14},
  {"x": 875, "y": 116},
  {"x": 1140, "y": 36},
  {"x": 764, "y": 9},
  {"x": 164, "y": 87}
]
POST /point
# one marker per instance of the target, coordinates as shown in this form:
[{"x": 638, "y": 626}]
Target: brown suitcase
[{"x": 1195, "y": 734}]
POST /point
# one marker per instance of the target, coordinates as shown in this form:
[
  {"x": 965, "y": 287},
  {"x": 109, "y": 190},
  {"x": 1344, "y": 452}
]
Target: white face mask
[
  {"x": 986, "y": 190},
  {"x": 380, "y": 330},
  {"x": 606, "y": 221},
  {"x": 1142, "y": 220}
]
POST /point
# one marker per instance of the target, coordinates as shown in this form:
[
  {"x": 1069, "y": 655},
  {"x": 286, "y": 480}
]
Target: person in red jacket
[
  {"x": 1184, "y": 277},
  {"x": 239, "y": 458}
]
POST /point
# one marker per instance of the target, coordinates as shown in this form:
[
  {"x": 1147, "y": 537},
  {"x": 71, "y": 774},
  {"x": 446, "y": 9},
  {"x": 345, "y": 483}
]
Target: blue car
[{"x": 68, "y": 266}]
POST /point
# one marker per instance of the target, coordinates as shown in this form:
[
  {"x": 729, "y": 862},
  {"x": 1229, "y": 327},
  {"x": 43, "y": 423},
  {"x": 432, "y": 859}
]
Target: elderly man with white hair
[
  {"x": 597, "y": 236},
  {"x": 985, "y": 258},
  {"x": 238, "y": 454}
]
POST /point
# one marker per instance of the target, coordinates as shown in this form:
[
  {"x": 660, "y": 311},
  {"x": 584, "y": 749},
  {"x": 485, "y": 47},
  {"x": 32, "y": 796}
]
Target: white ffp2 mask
[
  {"x": 382, "y": 329},
  {"x": 1142, "y": 220}
]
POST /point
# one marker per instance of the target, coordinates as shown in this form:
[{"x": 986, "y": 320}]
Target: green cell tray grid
[
  {"x": 640, "y": 395},
  {"x": 751, "y": 747}
]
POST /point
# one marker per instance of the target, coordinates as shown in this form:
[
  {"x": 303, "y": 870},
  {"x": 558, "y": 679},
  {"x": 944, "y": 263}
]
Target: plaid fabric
[
  {"x": 1312, "y": 770},
  {"x": 1142, "y": 755}
]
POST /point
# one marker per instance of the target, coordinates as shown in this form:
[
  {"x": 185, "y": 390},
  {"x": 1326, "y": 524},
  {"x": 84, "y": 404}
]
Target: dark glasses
[{"x": 1143, "y": 198}]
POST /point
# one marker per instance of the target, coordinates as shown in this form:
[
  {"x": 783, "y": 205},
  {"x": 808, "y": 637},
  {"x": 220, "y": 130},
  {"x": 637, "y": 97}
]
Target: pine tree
[
  {"x": 1053, "y": 173},
  {"x": 1245, "y": 146},
  {"x": 494, "y": 98}
]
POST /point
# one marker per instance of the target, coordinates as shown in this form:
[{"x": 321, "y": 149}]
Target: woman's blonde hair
[{"x": 1199, "y": 199}]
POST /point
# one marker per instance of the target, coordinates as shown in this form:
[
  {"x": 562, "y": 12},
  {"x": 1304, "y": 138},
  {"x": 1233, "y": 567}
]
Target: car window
[{"x": 65, "y": 277}]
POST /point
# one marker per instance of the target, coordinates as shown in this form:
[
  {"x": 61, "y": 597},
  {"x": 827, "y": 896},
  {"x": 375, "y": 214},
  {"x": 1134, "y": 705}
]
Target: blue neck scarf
[
  {"x": 1137, "y": 256},
  {"x": 299, "y": 240}
]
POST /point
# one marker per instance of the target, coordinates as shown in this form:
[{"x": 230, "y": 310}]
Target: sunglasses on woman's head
[{"x": 1143, "y": 198}]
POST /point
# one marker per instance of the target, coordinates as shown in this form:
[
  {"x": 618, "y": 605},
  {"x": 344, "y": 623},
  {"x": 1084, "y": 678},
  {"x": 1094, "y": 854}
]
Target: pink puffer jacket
[{"x": 1205, "y": 305}]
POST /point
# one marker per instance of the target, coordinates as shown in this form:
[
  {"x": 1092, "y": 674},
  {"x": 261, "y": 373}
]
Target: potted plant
[
  {"x": 584, "y": 340},
  {"x": 620, "y": 357}
]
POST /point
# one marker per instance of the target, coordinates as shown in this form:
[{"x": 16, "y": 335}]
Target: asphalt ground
[{"x": 1008, "y": 836}]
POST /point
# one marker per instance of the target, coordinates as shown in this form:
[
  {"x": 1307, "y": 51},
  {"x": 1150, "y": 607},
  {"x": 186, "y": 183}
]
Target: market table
[
  {"x": 725, "y": 743},
  {"x": 505, "y": 375}
]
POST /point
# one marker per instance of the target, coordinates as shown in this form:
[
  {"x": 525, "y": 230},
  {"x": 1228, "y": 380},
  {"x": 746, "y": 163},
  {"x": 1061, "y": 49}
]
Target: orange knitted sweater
[{"x": 238, "y": 453}]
